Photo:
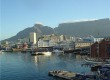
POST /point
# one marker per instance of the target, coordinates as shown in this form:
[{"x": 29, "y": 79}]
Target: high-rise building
[
  {"x": 33, "y": 37},
  {"x": 62, "y": 38}
]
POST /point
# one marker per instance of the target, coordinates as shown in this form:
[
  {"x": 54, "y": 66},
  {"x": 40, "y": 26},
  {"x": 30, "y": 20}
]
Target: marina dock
[{"x": 63, "y": 74}]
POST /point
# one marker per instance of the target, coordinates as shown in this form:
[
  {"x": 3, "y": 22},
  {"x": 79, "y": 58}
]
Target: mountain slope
[{"x": 38, "y": 28}]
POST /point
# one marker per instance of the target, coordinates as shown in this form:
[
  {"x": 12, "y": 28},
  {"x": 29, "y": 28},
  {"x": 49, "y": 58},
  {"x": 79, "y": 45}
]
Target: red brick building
[{"x": 101, "y": 49}]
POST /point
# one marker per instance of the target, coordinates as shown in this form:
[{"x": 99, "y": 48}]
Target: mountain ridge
[
  {"x": 94, "y": 27},
  {"x": 84, "y": 28}
]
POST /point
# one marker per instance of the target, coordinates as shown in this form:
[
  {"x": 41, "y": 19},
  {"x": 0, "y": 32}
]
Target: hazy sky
[{"x": 17, "y": 15}]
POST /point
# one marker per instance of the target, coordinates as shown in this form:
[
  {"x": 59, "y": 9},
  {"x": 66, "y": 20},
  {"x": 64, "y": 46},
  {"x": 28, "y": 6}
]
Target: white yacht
[{"x": 43, "y": 53}]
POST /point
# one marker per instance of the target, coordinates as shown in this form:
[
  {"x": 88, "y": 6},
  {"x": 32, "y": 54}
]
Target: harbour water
[{"x": 23, "y": 66}]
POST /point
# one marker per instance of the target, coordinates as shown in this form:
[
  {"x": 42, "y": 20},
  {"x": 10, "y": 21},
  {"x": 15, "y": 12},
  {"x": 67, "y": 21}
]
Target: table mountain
[{"x": 83, "y": 28}]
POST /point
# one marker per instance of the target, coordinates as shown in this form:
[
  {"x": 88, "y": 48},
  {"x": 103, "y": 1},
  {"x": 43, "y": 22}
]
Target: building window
[{"x": 108, "y": 48}]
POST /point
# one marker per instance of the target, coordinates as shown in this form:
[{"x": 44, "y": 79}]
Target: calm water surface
[{"x": 23, "y": 66}]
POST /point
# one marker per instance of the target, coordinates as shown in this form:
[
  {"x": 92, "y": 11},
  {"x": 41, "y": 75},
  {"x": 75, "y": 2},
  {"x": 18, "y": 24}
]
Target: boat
[
  {"x": 1, "y": 51},
  {"x": 58, "y": 51},
  {"x": 68, "y": 51},
  {"x": 95, "y": 61},
  {"x": 102, "y": 70},
  {"x": 16, "y": 50},
  {"x": 7, "y": 51},
  {"x": 41, "y": 53}
]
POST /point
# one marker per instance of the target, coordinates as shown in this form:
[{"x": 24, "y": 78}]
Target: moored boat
[
  {"x": 1, "y": 51},
  {"x": 97, "y": 61},
  {"x": 58, "y": 51},
  {"x": 68, "y": 51},
  {"x": 41, "y": 53}
]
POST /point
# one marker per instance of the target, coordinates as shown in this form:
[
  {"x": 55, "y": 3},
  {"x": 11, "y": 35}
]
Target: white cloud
[
  {"x": 39, "y": 23},
  {"x": 80, "y": 20}
]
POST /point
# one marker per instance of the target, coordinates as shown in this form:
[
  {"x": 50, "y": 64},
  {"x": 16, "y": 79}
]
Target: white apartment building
[
  {"x": 33, "y": 37},
  {"x": 98, "y": 39},
  {"x": 40, "y": 43},
  {"x": 46, "y": 43},
  {"x": 92, "y": 39},
  {"x": 62, "y": 38},
  {"x": 43, "y": 43},
  {"x": 82, "y": 44}
]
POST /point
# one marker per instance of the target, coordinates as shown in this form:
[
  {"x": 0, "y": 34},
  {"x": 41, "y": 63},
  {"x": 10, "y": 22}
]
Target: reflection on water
[{"x": 21, "y": 66}]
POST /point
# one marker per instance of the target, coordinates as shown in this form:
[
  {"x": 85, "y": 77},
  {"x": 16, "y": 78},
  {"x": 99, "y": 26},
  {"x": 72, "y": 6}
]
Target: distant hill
[
  {"x": 38, "y": 28},
  {"x": 82, "y": 28}
]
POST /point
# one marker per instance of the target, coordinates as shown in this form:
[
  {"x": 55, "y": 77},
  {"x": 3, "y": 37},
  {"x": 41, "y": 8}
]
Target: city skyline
[{"x": 17, "y": 15}]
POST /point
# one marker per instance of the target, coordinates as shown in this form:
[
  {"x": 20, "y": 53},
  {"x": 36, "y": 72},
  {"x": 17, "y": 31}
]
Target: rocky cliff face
[{"x": 83, "y": 28}]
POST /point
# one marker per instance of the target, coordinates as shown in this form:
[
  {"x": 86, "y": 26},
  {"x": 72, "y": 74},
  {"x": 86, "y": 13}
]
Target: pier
[{"x": 63, "y": 74}]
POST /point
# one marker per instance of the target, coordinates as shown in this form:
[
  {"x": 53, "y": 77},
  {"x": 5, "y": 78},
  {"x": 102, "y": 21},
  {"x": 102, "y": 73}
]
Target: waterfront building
[
  {"x": 52, "y": 42},
  {"x": 79, "y": 45},
  {"x": 78, "y": 39},
  {"x": 67, "y": 45},
  {"x": 90, "y": 38},
  {"x": 6, "y": 42},
  {"x": 33, "y": 37},
  {"x": 72, "y": 38},
  {"x": 46, "y": 43},
  {"x": 18, "y": 46},
  {"x": 43, "y": 43},
  {"x": 101, "y": 49},
  {"x": 46, "y": 37},
  {"x": 40, "y": 43},
  {"x": 55, "y": 39},
  {"x": 98, "y": 39},
  {"x": 25, "y": 46},
  {"x": 5, "y": 45}
]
